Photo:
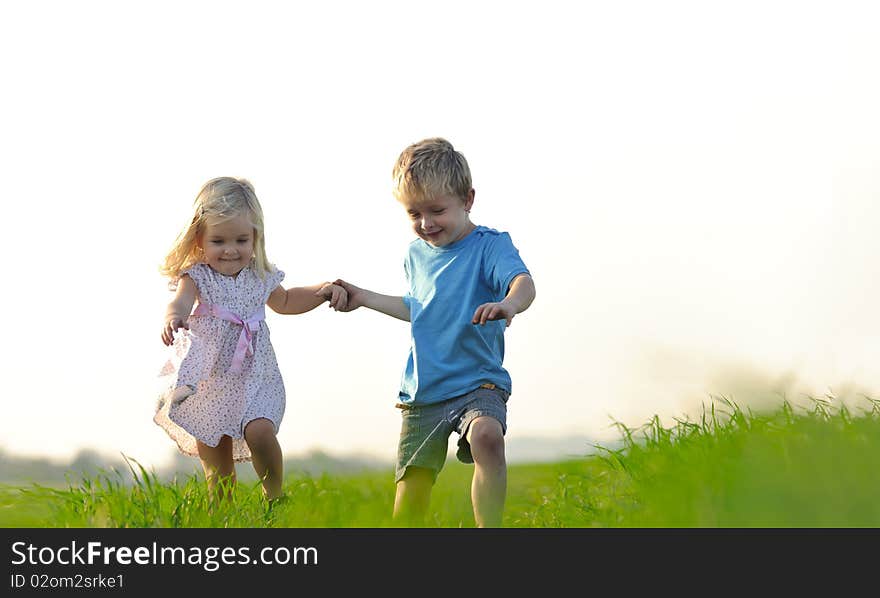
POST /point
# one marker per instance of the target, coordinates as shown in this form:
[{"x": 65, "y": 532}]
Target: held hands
[
  {"x": 173, "y": 324},
  {"x": 355, "y": 295},
  {"x": 336, "y": 294},
  {"x": 494, "y": 311}
]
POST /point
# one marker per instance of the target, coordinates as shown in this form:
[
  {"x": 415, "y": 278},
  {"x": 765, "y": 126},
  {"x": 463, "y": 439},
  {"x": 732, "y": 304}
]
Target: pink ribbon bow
[{"x": 245, "y": 344}]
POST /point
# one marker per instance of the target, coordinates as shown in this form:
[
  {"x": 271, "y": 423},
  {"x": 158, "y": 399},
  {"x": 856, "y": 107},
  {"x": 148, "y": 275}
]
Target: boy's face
[{"x": 442, "y": 219}]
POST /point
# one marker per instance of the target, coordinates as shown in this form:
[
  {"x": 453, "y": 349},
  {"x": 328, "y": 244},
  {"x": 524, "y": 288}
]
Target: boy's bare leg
[
  {"x": 413, "y": 496},
  {"x": 218, "y": 466},
  {"x": 489, "y": 485},
  {"x": 266, "y": 455}
]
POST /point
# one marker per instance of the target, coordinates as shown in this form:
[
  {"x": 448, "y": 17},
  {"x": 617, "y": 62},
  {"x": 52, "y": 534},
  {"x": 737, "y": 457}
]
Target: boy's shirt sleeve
[
  {"x": 502, "y": 264},
  {"x": 407, "y": 297}
]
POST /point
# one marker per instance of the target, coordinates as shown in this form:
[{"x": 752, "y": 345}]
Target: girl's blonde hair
[{"x": 221, "y": 199}]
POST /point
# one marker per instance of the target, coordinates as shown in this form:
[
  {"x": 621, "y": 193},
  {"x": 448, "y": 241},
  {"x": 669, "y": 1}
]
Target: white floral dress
[{"x": 203, "y": 394}]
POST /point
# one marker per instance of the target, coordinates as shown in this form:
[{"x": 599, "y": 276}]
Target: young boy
[{"x": 466, "y": 283}]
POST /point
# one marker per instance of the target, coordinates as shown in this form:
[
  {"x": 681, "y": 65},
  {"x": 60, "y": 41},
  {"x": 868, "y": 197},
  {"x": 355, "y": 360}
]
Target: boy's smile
[
  {"x": 440, "y": 220},
  {"x": 229, "y": 244}
]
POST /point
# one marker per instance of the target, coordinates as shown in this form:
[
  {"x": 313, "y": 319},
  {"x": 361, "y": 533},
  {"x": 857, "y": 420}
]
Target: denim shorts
[{"x": 425, "y": 429}]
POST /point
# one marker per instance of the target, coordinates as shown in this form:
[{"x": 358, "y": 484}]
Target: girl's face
[{"x": 228, "y": 245}]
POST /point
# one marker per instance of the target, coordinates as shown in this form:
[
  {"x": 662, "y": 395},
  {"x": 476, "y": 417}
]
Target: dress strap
[{"x": 245, "y": 344}]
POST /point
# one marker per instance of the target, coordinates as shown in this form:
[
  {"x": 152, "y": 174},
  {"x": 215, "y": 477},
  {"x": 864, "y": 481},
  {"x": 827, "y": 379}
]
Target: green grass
[
  {"x": 734, "y": 468},
  {"x": 794, "y": 467}
]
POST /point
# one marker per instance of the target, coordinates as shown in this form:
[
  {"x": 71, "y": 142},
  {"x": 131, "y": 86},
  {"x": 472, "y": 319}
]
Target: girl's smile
[{"x": 228, "y": 245}]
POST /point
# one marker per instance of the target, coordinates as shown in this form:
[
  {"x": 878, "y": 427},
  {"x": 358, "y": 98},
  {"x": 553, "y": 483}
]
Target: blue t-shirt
[{"x": 449, "y": 356}]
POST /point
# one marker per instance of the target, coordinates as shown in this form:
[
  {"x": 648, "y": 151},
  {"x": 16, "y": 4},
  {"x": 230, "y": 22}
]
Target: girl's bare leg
[
  {"x": 219, "y": 467},
  {"x": 266, "y": 454}
]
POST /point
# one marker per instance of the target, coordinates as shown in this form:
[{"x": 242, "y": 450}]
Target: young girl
[{"x": 223, "y": 396}]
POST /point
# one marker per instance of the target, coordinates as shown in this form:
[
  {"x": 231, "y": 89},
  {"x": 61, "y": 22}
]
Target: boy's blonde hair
[
  {"x": 429, "y": 168},
  {"x": 221, "y": 199}
]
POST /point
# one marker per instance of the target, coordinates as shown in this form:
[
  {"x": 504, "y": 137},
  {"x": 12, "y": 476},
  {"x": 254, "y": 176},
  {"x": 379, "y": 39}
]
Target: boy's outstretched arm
[
  {"x": 299, "y": 300},
  {"x": 519, "y": 297},
  {"x": 387, "y": 304}
]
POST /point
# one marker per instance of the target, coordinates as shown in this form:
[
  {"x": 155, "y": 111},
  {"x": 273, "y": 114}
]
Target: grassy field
[{"x": 814, "y": 466}]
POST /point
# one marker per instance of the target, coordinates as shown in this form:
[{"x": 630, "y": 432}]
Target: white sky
[{"x": 694, "y": 187}]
